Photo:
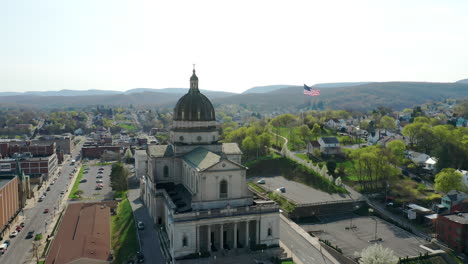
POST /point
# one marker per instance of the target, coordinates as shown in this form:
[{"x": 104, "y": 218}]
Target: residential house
[
  {"x": 311, "y": 146},
  {"x": 329, "y": 145},
  {"x": 453, "y": 198},
  {"x": 464, "y": 174},
  {"x": 335, "y": 123},
  {"x": 417, "y": 157},
  {"x": 429, "y": 164}
]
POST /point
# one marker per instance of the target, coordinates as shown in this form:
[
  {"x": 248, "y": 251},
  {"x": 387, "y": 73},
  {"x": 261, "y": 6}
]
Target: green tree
[
  {"x": 118, "y": 177},
  {"x": 304, "y": 132},
  {"x": 316, "y": 131},
  {"x": 397, "y": 148},
  {"x": 448, "y": 179},
  {"x": 79, "y": 193},
  {"x": 387, "y": 123}
]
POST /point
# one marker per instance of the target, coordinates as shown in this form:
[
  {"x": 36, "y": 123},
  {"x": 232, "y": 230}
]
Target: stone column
[
  {"x": 209, "y": 238},
  {"x": 247, "y": 234},
  {"x": 235, "y": 235},
  {"x": 221, "y": 238}
]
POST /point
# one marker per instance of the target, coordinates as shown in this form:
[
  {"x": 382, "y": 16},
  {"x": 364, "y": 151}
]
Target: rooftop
[
  {"x": 330, "y": 140},
  {"x": 461, "y": 218},
  {"x": 158, "y": 151},
  {"x": 202, "y": 158},
  {"x": 231, "y": 148},
  {"x": 84, "y": 233}
]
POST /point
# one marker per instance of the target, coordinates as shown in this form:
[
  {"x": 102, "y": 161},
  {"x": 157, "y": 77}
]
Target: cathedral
[{"x": 195, "y": 188}]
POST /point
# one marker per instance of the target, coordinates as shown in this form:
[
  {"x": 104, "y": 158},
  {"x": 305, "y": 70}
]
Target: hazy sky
[{"x": 120, "y": 45}]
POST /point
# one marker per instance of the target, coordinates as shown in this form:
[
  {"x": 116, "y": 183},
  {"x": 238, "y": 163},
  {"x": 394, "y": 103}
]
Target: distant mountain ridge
[
  {"x": 339, "y": 84},
  {"x": 367, "y": 96},
  {"x": 266, "y": 88},
  {"x": 462, "y": 81}
]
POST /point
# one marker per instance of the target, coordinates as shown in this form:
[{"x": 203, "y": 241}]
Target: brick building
[
  {"x": 38, "y": 168},
  {"x": 452, "y": 229},
  {"x": 95, "y": 151},
  {"x": 63, "y": 143},
  {"x": 10, "y": 149},
  {"x": 9, "y": 202}
]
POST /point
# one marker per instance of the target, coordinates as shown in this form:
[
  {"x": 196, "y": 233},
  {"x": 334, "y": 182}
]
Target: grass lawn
[
  {"x": 256, "y": 187},
  {"x": 103, "y": 163},
  {"x": 287, "y": 262},
  {"x": 302, "y": 156},
  {"x": 123, "y": 230},
  {"x": 76, "y": 185},
  {"x": 128, "y": 127}
]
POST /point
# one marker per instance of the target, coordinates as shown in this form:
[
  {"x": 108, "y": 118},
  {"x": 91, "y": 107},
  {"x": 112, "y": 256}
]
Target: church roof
[
  {"x": 194, "y": 106},
  {"x": 159, "y": 151},
  {"x": 231, "y": 148},
  {"x": 201, "y": 158}
]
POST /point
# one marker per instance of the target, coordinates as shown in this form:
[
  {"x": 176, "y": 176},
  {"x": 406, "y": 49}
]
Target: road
[
  {"x": 20, "y": 250},
  {"x": 149, "y": 241},
  {"x": 306, "y": 253}
]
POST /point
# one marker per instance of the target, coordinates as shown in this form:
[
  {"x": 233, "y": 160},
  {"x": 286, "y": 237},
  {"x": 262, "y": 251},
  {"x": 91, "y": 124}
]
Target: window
[
  {"x": 269, "y": 231},
  {"x": 223, "y": 189},
  {"x": 199, "y": 138},
  {"x": 166, "y": 171},
  {"x": 181, "y": 138},
  {"x": 184, "y": 241}
]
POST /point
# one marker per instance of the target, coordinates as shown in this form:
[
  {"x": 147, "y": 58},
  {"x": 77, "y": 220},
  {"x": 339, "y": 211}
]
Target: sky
[{"x": 121, "y": 45}]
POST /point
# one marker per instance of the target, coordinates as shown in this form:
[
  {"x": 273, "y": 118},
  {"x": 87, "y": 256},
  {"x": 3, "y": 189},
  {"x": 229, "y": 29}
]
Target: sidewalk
[{"x": 149, "y": 241}]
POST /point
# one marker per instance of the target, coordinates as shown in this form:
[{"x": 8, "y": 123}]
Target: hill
[
  {"x": 462, "y": 81},
  {"x": 337, "y": 85},
  {"x": 398, "y": 95},
  {"x": 265, "y": 89}
]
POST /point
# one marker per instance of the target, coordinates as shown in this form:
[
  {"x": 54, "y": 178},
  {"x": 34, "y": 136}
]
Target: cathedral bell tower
[{"x": 194, "y": 82}]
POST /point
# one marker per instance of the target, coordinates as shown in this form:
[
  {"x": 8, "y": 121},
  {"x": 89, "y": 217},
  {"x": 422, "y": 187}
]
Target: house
[
  {"x": 329, "y": 145},
  {"x": 418, "y": 213},
  {"x": 461, "y": 122},
  {"x": 373, "y": 137},
  {"x": 452, "y": 229},
  {"x": 429, "y": 164},
  {"x": 453, "y": 198},
  {"x": 332, "y": 123},
  {"x": 311, "y": 146},
  {"x": 417, "y": 157}
]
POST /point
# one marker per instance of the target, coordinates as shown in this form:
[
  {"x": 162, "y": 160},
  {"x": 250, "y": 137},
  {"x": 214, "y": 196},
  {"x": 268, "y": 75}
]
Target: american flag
[{"x": 312, "y": 92}]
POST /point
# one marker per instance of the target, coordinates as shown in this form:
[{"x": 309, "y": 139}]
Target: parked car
[
  {"x": 281, "y": 189},
  {"x": 13, "y": 234},
  {"x": 18, "y": 228},
  {"x": 52, "y": 183},
  {"x": 83, "y": 180},
  {"x": 98, "y": 181},
  {"x": 30, "y": 234},
  {"x": 98, "y": 187},
  {"x": 141, "y": 226},
  {"x": 262, "y": 181},
  {"x": 46, "y": 210},
  {"x": 98, "y": 176},
  {"x": 62, "y": 192},
  {"x": 3, "y": 248},
  {"x": 22, "y": 224},
  {"x": 100, "y": 172},
  {"x": 101, "y": 169},
  {"x": 48, "y": 188}
]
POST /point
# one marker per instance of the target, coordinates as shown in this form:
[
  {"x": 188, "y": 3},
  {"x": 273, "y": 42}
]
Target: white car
[
  {"x": 262, "y": 181},
  {"x": 98, "y": 181},
  {"x": 14, "y": 234},
  {"x": 281, "y": 189}
]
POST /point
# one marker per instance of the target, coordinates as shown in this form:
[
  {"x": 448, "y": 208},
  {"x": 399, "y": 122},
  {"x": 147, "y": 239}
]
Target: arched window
[
  {"x": 184, "y": 241},
  {"x": 166, "y": 171},
  {"x": 270, "y": 233},
  {"x": 223, "y": 189}
]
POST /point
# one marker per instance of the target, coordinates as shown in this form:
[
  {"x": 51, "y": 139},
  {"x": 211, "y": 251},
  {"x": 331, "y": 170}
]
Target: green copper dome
[{"x": 194, "y": 106}]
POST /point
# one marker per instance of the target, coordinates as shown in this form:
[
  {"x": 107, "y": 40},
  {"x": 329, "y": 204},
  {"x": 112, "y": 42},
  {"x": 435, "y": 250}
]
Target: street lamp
[
  {"x": 351, "y": 223},
  {"x": 375, "y": 233}
]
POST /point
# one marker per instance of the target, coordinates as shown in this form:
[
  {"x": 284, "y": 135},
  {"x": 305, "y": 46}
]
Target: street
[
  {"x": 306, "y": 253},
  {"x": 20, "y": 250}
]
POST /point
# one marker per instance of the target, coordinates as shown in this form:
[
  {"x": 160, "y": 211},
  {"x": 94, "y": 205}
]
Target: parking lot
[
  {"x": 298, "y": 192},
  {"x": 89, "y": 182},
  {"x": 336, "y": 229}
]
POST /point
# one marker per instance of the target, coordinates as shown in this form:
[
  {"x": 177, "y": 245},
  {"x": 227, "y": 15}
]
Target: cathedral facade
[{"x": 196, "y": 190}]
